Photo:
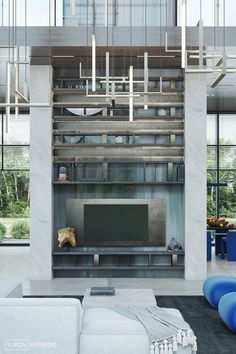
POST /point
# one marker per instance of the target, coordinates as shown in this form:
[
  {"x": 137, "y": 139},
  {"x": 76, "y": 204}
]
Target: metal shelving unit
[{"x": 166, "y": 155}]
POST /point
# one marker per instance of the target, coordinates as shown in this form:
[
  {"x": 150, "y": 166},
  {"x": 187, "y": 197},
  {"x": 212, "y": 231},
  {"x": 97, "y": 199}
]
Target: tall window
[
  {"x": 31, "y": 13},
  {"x": 119, "y": 13},
  {"x": 221, "y": 165},
  {"x": 214, "y": 12},
  {"x": 14, "y": 180}
]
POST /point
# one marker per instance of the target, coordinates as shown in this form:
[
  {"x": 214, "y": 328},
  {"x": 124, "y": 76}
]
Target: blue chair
[
  {"x": 227, "y": 310},
  {"x": 216, "y": 286},
  {"x": 228, "y": 245},
  {"x": 223, "y": 247},
  {"x": 208, "y": 246}
]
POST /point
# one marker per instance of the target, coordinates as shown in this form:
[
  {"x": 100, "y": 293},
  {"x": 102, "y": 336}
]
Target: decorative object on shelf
[
  {"x": 57, "y": 139},
  {"x": 162, "y": 112},
  {"x": 218, "y": 222},
  {"x": 66, "y": 235},
  {"x": 174, "y": 245},
  {"x": 72, "y": 139},
  {"x": 63, "y": 175},
  {"x": 119, "y": 139},
  {"x": 84, "y": 111}
]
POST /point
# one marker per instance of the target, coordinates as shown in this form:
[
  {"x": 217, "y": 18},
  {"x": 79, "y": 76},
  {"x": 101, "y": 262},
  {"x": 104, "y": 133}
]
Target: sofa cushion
[
  {"x": 40, "y": 326},
  {"x": 107, "y": 332},
  {"x": 105, "y": 321}
]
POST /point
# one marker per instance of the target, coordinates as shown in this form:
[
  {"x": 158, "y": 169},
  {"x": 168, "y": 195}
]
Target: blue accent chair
[
  {"x": 208, "y": 246},
  {"x": 217, "y": 286},
  {"x": 228, "y": 244},
  {"x": 227, "y": 310}
]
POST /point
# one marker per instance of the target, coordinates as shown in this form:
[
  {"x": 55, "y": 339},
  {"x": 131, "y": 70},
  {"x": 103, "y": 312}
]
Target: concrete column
[
  {"x": 195, "y": 176},
  {"x": 41, "y": 174}
]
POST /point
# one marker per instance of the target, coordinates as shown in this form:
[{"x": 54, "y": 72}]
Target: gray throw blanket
[{"x": 165, "y": 331}]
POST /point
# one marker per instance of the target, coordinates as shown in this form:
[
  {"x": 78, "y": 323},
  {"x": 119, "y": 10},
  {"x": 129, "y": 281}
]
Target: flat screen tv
[{"x": 115, "y": 224}]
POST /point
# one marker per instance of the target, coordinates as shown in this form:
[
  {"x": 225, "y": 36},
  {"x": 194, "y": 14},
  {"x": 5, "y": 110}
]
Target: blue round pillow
[
  {"x": 217, "y": 286},
  {"x": 227, "y": 310}
]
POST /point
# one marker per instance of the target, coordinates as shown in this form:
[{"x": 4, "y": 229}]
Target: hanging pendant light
[{"x": 93, "y": 63}]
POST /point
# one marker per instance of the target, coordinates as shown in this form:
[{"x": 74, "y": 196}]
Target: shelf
[
  {"x": 121, "y": 159},
  {"x": 100, "y": 259},
  {"x": 151, "y": 78},
  {"x": 124, "y": 132},
  {"x": 119, "y": 183},
  {"x": 117, "y": 252},
  {"x": 117, "y": 118},
  {"x": 152, "y": 91},
  {"x": 120, "y": 146},
  {"x": 98, "y": 104},
  {"x": 161, "y": 267}
]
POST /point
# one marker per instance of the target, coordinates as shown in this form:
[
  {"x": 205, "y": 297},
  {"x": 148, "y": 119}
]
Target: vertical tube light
[
  {"x": 93, "y": 63},
  {"x": 106, "y": 13},
  {"x": 107, "y": 75},
  {"x": 183, "y": 32},
  {"x": 8, "y": 96},
  {"x": 161, "y": 84},
  {"x": 16, "y": 79},
  {"x": 145, "y": 80},
  {"x": 131, "y": 98},
  {"x": 200, "y": 43}
]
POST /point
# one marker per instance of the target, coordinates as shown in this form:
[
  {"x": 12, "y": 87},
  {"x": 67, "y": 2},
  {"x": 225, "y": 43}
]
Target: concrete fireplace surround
[{"x": 41, "y": 217}]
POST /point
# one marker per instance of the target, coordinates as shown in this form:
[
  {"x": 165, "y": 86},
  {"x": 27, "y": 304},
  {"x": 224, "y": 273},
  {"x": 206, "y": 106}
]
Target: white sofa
[{"x": 59, "y": 326}]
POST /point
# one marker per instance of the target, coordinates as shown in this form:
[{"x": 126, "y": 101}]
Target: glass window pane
[
  {"x": 193, "y": 12},
  {"x": 37, "y": 12},
  {"x": 226, "y": 7},
  {"x": 227, "y": 176},
  {"x": 211, "y": 157},
  {"x": 16, "y": 158},
  {"x": 211, "y": 194},
  {"x": 227, "y": 157},
  {"x": 0, "y": 128},
  {"x": 227, "y": 129},
  {"x": 211, "y": 176},
  {"x": 14, "y": 210},
  {"x": 227, "y": 201},
  {"x": 19, "y": 132},
  {"x": 211, "y": 129},
  {"x": 123, "y": 13},
  {"x": 211, "y": 202},
  {"x": 0, "y": 157}
]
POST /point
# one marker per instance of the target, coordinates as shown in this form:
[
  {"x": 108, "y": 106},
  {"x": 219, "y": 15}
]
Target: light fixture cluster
[{"x": 112, "y": 81}]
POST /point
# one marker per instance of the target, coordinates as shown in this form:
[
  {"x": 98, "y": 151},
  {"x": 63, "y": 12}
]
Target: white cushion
[
  {"x": 107, "y": 332},
  {"x": 103, "y": 321},
  {"x": 52, "y": 324}
]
